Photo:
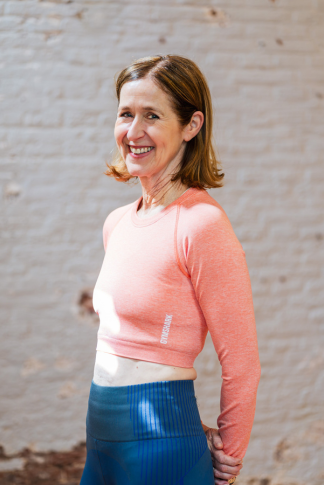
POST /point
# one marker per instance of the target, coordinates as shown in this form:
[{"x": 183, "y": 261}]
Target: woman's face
[{"x": 147, "y": 131}]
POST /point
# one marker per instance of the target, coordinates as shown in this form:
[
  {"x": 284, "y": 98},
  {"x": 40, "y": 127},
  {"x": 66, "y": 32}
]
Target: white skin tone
[{"x": 146, "y": 119}]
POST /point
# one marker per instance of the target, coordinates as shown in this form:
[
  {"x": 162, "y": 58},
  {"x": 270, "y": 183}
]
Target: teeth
[{"x": 140, "y": 150}]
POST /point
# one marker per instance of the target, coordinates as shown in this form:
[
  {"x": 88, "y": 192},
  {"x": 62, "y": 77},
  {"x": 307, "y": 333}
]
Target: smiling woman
[
  {"x": 173, "y": 270},
  {"x": 171, "y": 90}
]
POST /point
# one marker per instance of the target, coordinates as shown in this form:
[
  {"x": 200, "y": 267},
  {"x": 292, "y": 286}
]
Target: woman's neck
[{"x": 155, "y": 201}]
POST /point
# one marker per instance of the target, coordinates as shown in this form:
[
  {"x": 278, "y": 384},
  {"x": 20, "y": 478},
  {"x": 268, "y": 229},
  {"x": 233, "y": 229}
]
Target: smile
[{"x": 137, "y": 151}]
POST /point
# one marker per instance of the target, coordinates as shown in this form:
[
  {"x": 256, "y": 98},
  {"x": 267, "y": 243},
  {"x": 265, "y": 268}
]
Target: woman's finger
[
  {"x": 215, "y": 438},
  {"x": 235, "y": 470},
  {"x": 219, "y": 481},
  {"x": 224, "y": 476},
  {"x": 226, "y": 459},
  {"x": 226, "y": 468}
]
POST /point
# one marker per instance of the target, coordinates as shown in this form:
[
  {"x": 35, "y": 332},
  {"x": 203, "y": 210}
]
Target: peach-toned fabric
[{"x": 165, "y": 282}]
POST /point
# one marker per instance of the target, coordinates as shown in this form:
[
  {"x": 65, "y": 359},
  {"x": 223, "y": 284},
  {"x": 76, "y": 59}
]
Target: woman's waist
[
  {"x": 116, "y": 370},
  {"x": 143, "y": 411}
]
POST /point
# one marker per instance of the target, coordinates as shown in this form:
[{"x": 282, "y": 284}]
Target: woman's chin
[{"x": 136, "y": 171}]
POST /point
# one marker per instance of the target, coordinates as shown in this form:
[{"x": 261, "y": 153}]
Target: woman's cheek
[{"x": 119, "y": 137}]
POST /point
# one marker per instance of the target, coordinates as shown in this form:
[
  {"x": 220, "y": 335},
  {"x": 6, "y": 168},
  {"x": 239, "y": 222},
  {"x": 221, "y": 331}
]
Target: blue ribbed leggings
[{"x": 146, "y": 434}]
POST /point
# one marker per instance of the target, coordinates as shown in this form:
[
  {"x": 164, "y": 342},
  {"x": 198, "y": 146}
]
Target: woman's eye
[
  {"x": 152, "y": 116},
  {"x": 126, "y": 115}
]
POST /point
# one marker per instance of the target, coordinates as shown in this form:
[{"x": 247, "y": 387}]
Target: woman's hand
[{"x": 225, "y": 466}]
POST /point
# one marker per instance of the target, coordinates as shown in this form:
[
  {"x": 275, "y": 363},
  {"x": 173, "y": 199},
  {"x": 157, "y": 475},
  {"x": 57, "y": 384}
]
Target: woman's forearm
[{"x": 237, "y": 404}]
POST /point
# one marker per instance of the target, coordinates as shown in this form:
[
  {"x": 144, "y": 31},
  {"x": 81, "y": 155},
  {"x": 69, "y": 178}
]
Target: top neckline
[{"x": 137, "y": 221}]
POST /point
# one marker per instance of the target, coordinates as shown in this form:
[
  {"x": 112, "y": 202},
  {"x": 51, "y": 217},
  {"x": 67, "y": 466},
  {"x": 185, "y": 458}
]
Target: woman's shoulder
[
  {"x": 115, "y": 215},
  {"x": 112, "y": 220},
  {"x": 203, "y": 221},
  {"x": 202, "y": 210}
]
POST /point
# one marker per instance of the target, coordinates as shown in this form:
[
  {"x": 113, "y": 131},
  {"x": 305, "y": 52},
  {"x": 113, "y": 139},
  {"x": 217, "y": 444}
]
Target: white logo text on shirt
[{"x": 166, "y": 329}]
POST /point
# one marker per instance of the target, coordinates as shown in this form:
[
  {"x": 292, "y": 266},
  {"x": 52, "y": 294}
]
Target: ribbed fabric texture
[
  {"x": 152, "y": 431},
  {"x": 165, "y": 282}
]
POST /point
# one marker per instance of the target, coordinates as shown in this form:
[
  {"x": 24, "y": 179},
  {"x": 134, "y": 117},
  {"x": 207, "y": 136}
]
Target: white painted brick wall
[{"x": 264, "y": 63}]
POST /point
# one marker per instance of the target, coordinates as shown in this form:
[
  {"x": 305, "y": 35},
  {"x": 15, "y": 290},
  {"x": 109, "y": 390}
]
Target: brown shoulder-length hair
[{"x": 187, "y": 88}]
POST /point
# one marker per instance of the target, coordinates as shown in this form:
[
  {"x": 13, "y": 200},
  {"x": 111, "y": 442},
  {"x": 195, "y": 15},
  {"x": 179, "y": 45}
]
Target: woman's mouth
[{"x": 138, "y": 151}]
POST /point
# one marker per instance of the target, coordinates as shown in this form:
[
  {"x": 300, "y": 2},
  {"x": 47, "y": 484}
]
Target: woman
[{"x": 173, "y": 270}]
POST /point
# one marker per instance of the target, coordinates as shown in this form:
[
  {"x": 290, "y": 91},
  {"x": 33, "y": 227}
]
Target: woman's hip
[
  {"x": 146, "y": 434},
  {"x": 156, "y": 410}
]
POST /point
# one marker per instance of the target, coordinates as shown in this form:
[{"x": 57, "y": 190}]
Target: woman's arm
[{"x": 216, "y": 264}]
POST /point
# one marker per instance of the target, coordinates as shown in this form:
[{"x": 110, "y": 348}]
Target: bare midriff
[{"x": 114, "y": 370}]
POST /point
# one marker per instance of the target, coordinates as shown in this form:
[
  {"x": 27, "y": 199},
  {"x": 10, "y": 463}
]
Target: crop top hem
[{"x": 156, "y": 355}]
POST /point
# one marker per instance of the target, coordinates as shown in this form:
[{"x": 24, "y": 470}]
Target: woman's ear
[{"x": 193, "y": 128}]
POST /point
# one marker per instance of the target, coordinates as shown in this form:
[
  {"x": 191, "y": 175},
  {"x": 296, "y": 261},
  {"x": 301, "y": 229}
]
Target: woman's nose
[{"x": 136, "y": 130}]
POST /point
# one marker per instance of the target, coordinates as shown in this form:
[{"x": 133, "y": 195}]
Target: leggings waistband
[{"x": 164, "y": 409}]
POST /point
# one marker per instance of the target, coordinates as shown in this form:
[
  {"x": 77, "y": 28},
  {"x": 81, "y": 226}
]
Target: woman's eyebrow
[
  {"x": 122, "y": 108},
  {"x": 151, "y": 108},
  {"x": 144, "y": 108}
]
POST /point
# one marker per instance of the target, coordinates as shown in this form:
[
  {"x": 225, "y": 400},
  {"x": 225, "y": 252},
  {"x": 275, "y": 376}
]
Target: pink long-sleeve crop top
[{"x": 169, "y": 279}]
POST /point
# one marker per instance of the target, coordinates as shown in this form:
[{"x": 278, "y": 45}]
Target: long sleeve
[{"x": 216, "y": 264}]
